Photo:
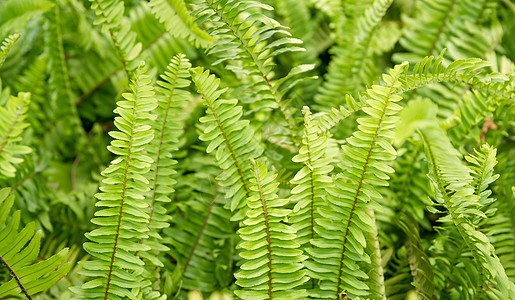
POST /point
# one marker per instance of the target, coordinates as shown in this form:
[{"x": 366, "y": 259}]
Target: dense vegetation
[{"x": 289, "y": 149}]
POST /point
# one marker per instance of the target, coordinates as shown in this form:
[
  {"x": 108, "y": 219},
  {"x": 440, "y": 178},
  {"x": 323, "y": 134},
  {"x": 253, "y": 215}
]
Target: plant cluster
[{"x": 289, "y": 149}]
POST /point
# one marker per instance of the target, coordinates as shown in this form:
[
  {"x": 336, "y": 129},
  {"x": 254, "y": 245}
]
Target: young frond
[
  {"x": 174, "y": 15},
  {"x": 110, "y": 14},
  {"x": 231, "y": 137},
  {"x": 124, "y": 215},
  {"x": 311, "y": 180},
  {"x": 7, "y": 45},
  {"x": 11, "y": 128},
  {"x": 18, "y": 252},
  {"x": 340, "y": 247},
  {"x": 272, "y": 267}
]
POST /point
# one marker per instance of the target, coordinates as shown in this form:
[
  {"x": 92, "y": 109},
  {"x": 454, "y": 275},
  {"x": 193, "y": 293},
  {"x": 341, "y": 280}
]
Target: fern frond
[
  {"x": 110, "y": 14},
  {"x": 497, "y": 226},
  {"x": 200, "y": 239},
  {"x": 244, "y": 36},
  {"x": 340, "y": 248},
  {"x": 433, "y": 24},
  {"x": 11, "y": 128},
  {"x": 19, "y": 250},
  {"x": 352, "y": 68},
  {"x": 376, "y": 271},
  {"x": 171, "y": 98},
  {"x": 421, "y": 269},
  {"x": 124, "y": 212},
  {"x": 311, "y": 180},
  {"x": 7, "y": 44},
  {"x": 231, "y": 137},
  {"x": 452, "y": 183},
  {"x": 174, "y": 15},
  {"x": 273, "y": 260},
  {"x": 462, "y": 71},
  {"x": 328, "y": 120}
]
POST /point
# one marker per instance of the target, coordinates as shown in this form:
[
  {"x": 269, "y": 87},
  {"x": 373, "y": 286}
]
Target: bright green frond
[
  {"x": 311, "y": 180},
  {"x": 11, "y": 129},
  {"x": 110, "y": 13},
  {"x": 177, "y": 20},
  {"x": 6, "y": 46},
  {"x": 454, "y": 191},
  {"x": 124, "y": 212},
  {"x": 272, "y": 266},
  {"x": 339, "y": 250},
  {"x": 230, "y": 137}
]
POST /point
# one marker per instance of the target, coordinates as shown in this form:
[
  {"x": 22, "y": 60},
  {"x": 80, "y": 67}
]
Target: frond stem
[
  {"x": 22, "y": 288},
  {"x": 267, "y": 227},
  {"x": 360, "y": 184}
]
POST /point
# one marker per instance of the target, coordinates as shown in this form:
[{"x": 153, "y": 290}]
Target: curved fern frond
[
  {"x": 110, "y": 14},
  {"x": 124, "y": 212},
  {"x": 174, "y": 15},
  {"x": 272, "y": 265},
  {"x": 462, "y": 71},
  {"x": 231, "y": 137},
  {"x": 19, "y": 250},
  {"x": 497, "y": 225},
  {"x": 11, "y": 128},
  {"x": 452, "y": 183},
  {"x": 340, "y": 248},
  {"x": 7, "y": 44},
  {"x": 311, "y": 180}
]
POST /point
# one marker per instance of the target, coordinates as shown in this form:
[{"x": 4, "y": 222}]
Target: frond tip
[
  {"x": 18, "y": 251},
  {"x": 7, "y": 44},
  {"x": 124, "y": 212}
]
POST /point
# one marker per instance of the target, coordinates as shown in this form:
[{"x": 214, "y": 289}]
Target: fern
[
  {"x": 11, "y": 128},
  {"x": 110, "y": 13},
  {"x": 123, "y": 200},
  {"x": 339, "y": 249},
  {"x": 175, "y": 16},
  {"x": 19, "y": 250},
  {"x": 171, "y": 97},
  {"x": 6, "y": 46},
  {"x": 421, "y": 269},
  {"x": 231, "y": 137},
  {"x": 452, "y": 183},
  {"x": 273, "y": 264},
  {"x": 351, "y": 68},
  {"x": 310, "y": 182},
  {"x": 242, "y": 38}
]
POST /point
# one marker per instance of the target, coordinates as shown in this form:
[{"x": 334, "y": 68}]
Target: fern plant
[{"x": 252, "y": 149}]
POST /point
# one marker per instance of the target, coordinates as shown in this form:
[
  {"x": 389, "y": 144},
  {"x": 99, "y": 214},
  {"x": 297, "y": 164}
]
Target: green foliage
[
  {"x": 257, "y": 149},
  {"x": 11, "y": 128},
  {"x": 19, "y": 251}
]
